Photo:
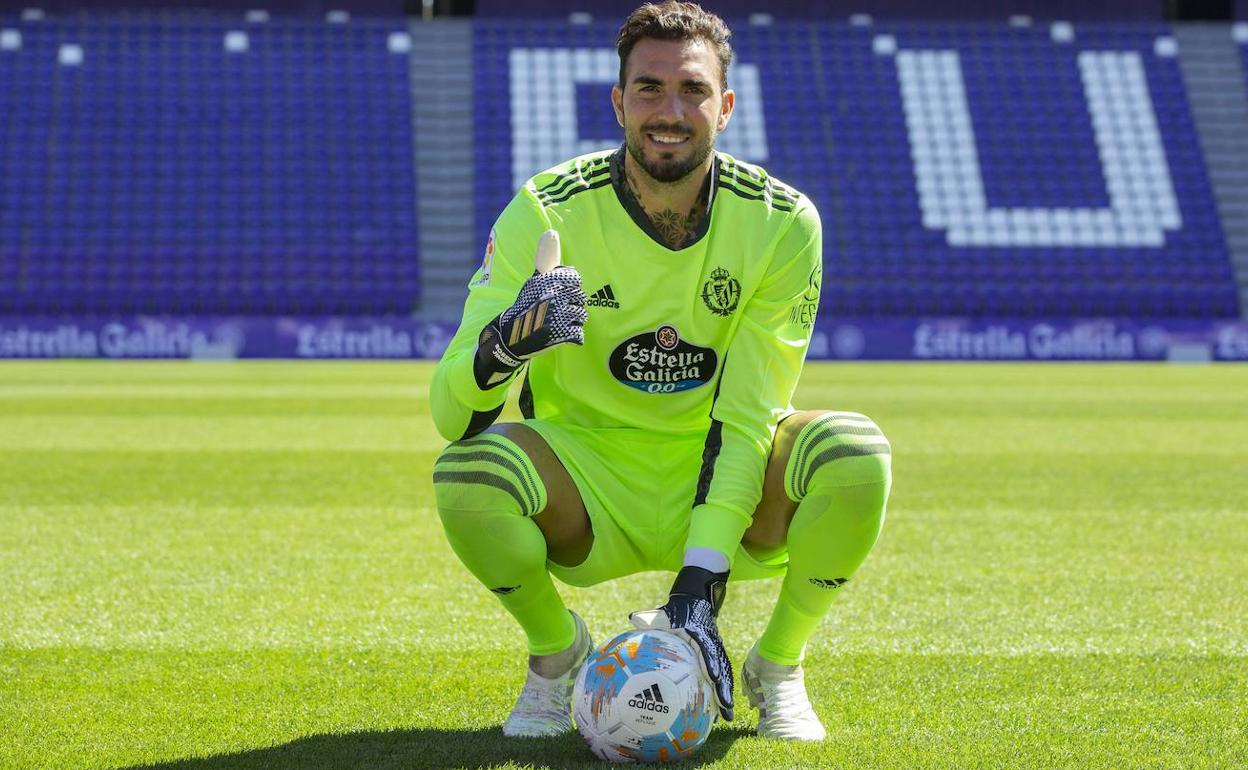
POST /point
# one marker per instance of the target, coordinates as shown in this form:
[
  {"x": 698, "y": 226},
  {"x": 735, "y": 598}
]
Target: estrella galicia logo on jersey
[
  {"x": 661, "y": 362},
  {"x": 721, "y": 292}
]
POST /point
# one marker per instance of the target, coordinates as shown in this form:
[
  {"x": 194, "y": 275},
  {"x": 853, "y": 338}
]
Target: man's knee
[
  {"x": 487, "y": 471},
  {"x": 837, "y": 449},
  {"x": 557, "y": 509}
]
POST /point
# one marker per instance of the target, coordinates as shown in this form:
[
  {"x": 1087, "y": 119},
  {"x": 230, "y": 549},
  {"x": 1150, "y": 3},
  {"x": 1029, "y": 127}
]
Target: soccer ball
[{"x": 642, "y": 698}]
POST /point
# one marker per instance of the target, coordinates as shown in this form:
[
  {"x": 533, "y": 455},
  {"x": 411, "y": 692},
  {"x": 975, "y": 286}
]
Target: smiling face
[{"x": 671, "y": 106}]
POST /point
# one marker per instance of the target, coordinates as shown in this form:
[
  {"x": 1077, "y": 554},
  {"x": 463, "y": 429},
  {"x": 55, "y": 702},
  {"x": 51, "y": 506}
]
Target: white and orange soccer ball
[{"x": 642, "y": 698}]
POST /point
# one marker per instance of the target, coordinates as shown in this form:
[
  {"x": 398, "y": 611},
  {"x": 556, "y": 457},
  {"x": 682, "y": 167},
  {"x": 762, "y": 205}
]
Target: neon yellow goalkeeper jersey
[{"x": 708, "y": 339}]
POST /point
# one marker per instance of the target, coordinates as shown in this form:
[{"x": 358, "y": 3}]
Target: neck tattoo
[{"x": 675, "y": 228}]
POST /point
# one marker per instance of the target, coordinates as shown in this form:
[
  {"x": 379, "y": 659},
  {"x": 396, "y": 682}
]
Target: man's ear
[
  {"x": 617, "y": 102},
  {"x": 725, "y": 109}
]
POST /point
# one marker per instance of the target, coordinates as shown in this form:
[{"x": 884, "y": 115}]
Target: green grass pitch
[{"x": 216, "y": 566}]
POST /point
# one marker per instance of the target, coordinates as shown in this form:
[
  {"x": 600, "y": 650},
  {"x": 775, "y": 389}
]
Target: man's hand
[
  {"x": 549, "y": 311},
  {"x": 690, "y": 612}
]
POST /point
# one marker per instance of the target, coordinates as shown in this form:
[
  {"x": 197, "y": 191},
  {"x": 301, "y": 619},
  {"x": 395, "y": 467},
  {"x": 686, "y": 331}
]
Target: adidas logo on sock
[
  {"x": 649, "y": 699},
  {"x": 604, "y": 297},
  {"x": 829, "y": 582}
]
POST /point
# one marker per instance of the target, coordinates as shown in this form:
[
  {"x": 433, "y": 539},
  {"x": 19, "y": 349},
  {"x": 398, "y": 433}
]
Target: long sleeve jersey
[{"x": 708, "y": 339}]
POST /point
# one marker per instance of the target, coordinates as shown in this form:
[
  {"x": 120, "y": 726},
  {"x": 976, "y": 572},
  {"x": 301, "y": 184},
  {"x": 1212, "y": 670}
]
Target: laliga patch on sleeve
[{"x": 483, "y": 275}]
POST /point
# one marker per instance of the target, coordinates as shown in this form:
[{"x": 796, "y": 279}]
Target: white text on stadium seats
[{"x": 950, "y": 182}]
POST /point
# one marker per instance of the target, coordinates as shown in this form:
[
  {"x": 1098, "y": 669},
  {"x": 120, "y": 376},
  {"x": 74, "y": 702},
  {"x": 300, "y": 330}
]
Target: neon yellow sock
[
  {"x": 487, "y": 490},
  {"x": 840, "y": 474}
]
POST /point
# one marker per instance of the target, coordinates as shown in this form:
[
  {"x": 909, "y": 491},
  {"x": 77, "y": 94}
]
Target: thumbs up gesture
[
  {"x": 548, "y": 311},
  {"x": 548, "y": 256}
]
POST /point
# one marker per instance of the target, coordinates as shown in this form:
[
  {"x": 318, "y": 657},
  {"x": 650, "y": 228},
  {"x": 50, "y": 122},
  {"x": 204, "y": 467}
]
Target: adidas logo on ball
[
  {"x": 649, "y": 699},
  {"x": 641, "y": 697}
]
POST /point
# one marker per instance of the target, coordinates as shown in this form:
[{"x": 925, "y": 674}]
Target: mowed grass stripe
[
  {"x": 306, "y": 403},
  {"x": 375, "y": 709},
  {"x": 196, "y": 373},
  {"x": 238, "y": 579},
  {"x": 936, "y": 435},
  {"x": 1062, "y": 394},
  {"x": 1064, "y": 573},
  {"x": 204, "y": 391},
  {"x": 275, "y": 574},
  {"x": 245, "y": 478},
  {"x": 195, "y": 433}
]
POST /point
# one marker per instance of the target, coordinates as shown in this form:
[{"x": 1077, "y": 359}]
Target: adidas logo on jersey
[
  {"x": 604, "y": 297},
  {"x": 649, "y": 699}
]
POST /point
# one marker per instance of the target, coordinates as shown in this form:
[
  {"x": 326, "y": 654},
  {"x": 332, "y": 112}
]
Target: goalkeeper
[{"x": 655, "y": 303}]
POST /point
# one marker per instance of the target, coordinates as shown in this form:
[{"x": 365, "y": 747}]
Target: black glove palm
[{"x": 691, "y": 609}]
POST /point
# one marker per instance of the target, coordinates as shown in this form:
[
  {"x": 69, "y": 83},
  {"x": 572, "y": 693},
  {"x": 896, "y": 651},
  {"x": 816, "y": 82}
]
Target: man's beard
[{"x": 667, "y": 171}]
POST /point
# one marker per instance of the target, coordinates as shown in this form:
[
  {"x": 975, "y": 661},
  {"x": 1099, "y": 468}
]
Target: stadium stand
[
  {"x": 603, "y": 10},
  {"x": 184, "y": 162},
  {"x": 1078, "y": 187},
  {"x": 194, "y": 163}
]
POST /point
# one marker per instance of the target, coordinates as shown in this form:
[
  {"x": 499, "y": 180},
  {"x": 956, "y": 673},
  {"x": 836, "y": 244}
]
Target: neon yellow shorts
[{"x": 638, "y": 490}]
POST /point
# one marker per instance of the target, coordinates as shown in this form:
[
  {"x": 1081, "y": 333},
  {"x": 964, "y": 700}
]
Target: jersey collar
[{"x": 638, "y": 214}]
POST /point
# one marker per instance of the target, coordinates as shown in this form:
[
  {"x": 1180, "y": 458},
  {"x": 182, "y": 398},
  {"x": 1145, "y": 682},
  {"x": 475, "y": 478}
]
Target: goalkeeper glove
[
  {"x": 690, "y": 613},
  {"x": 548, "y": 311}
]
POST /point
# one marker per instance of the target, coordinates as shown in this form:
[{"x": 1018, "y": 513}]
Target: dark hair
[{"x": 674, "y": 20}]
